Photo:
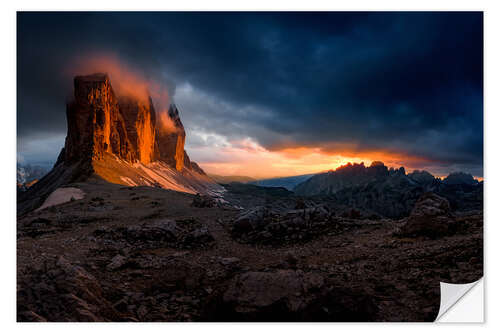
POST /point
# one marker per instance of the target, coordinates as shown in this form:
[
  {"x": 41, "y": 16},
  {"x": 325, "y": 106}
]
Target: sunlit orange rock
[
  {"x": 95, "y": 124},
  {"x": 140, "y": 123},
  {"x": 101, "y": 122},
  {"x": 171, "y": 138}
]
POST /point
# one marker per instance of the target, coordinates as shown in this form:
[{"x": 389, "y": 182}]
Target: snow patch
[
  {"x": 62, "y": 195},
  {"x": 164, "y": 176},
  {"x": 128, "y": 181}
]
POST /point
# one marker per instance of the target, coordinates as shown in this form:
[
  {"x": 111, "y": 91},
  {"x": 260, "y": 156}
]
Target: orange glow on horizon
[{"x": 247, "y": 158}]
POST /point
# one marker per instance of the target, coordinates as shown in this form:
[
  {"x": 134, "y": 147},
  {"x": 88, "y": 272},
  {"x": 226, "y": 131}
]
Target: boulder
[
  {"x": 313, "y": 213},
  {"x": 117, "y": 262},
  {"x": 267, "y": 226},
  {"x": 430, "y": 217},
  {"x": 231, "y": 261},
  {"x": 155, "y": 234},
  {"x": 198, "y": 237},
  {"x": 161, "y": 230},
  {"x": 291, "y": 295},
  {"x": 203, "y": 201},
  {"x": 253, "y": 219},
  {"x": 59, "y": 290},
  {"x": 261, "y": 292}
]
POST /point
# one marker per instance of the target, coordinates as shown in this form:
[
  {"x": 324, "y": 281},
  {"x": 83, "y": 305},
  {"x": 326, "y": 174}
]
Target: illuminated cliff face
[
  {"x": 100, "y": 122},
  {"x": 179, "y": 153},
  {"x": 140, "y": 125},
  {"x": 90, "y": 119},
  {"x": 171, "y": 138},
  {"x": 145, "y": 136}
]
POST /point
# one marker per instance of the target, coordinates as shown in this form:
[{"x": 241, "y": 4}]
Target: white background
[
  {"x": 8, "y": 157},
  {"x": 468, "y": 309}
]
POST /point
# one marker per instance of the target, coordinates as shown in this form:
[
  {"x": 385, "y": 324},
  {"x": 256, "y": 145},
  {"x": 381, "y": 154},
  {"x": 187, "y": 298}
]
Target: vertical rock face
[
  {"x": 140, "y": 122},
  {"x": 95, "y": 123},
  {"x": 171, "y": 139},
  {"x": 101, "y": 122},
  {"x": 89, "y": 117}
]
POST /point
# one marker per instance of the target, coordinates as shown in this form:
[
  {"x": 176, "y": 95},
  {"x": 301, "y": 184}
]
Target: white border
[
  {"x": 8, "y": 151},
  {"x": 467, "y": 306}
]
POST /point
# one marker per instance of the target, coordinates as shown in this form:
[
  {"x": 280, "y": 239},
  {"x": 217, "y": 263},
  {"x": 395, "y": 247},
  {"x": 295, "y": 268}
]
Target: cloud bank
[{"x": 407, "y": 86}]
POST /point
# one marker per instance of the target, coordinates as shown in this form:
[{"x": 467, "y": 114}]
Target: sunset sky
[{"x": 273, "y": 94}]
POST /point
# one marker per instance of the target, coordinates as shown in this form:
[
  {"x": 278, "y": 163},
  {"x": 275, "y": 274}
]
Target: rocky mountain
[
  {"x": 287, "y": 182},
  {"x": 346, "y": 176},
  {"x": 390, "y": 192},
  {"x": 231, "y": 179},
  {"x": 457, "y": 178},
  {"x": 122, "y": 140},
  {"x": 27, "y": 173}
]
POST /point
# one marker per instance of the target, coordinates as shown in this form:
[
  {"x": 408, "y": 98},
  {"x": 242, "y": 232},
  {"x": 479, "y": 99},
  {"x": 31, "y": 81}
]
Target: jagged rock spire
[{"x": 101, "y": 122}]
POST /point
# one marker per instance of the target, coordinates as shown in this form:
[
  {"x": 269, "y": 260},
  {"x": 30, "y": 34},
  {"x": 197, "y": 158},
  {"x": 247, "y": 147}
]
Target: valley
[{"x": 147, "y": 254}]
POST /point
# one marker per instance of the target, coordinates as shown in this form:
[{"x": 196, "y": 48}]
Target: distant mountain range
[
  {"x": 352, "y": 175},
  {"x": 387, "y": 191},
  {"x": 390, "y": 192},
  {"x": 26, "y": 173},
  {"x": 287, "y": 182},
  {"x": 231, "y": 179}
]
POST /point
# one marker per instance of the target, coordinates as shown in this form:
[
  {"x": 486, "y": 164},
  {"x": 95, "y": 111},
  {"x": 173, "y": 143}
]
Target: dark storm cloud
[{"x": 403, "y": 82}]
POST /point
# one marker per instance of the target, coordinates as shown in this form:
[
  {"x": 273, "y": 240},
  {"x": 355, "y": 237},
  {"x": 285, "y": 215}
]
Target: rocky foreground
[{"x": 150, "y": 254}]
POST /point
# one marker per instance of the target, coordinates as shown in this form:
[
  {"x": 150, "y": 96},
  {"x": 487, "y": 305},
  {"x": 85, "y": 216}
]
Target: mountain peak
[
  {"x": 99, "y": 123},
  {"x": 173, "y": 111},
  {"x": 377, "y": 164},
  {"x": 118, "y": 139},
  {"x": 460, "y": 178},
  {"x": 96, "y": 77}
]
